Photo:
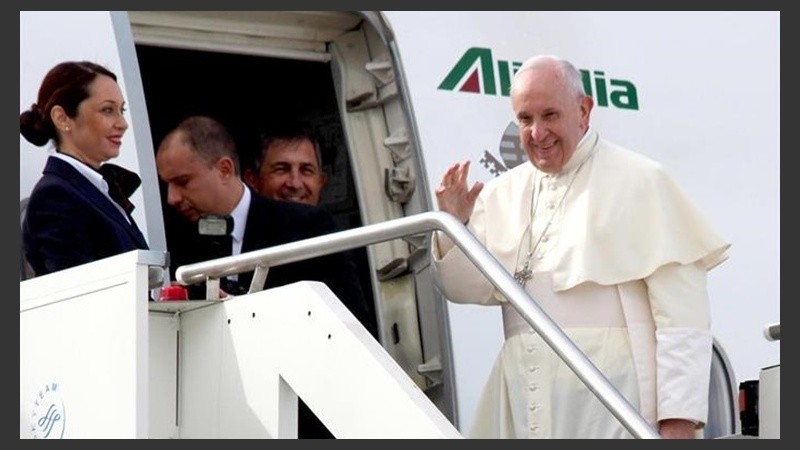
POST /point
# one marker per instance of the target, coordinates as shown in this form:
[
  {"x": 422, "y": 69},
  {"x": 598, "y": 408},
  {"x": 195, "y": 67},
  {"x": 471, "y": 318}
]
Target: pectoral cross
[{"x": 523, "y": 275}]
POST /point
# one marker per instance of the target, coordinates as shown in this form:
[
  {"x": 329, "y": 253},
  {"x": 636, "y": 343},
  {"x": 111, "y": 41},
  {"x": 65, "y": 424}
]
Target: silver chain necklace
[{"x": 523, "y": 275}]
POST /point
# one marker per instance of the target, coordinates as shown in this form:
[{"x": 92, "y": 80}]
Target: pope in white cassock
[{"x": 610, "y": 248}]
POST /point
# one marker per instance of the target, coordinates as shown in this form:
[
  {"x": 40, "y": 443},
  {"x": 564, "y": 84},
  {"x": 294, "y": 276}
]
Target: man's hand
[
  {"x": 452, "y": 195},
  {"x": 676, "y": 429}
]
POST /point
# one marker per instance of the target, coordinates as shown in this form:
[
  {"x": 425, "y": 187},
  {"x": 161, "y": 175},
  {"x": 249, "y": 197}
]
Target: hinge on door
[
  {"x": 414, "y": 262},
  {"x": 432, "y": 370},
  {"x": 399, "y": 183},
  {"x": 398, "y": 145},
  {"x": 369, "y": 100},
  {"x": 383, "y": 73}
]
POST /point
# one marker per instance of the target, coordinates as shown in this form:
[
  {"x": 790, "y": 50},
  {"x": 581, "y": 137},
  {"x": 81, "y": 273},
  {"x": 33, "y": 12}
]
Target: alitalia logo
[{"x": 478, "y": 72}]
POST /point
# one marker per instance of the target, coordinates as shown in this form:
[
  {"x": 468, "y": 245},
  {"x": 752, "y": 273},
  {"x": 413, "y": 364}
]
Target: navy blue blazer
[{"x": 69, "y": 222}]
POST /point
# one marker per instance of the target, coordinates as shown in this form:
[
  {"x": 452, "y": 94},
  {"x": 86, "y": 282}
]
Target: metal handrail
[{"x": 261, "y": 260}]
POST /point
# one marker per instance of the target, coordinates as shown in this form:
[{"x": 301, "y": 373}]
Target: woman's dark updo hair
[{"x": 65, "y": 85}]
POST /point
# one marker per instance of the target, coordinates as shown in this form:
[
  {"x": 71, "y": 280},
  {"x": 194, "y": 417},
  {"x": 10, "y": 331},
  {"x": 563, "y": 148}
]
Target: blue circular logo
[{"x": 48, "y": 416}]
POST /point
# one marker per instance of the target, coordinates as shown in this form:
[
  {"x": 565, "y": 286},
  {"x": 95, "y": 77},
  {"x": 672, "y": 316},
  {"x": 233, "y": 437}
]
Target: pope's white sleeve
[
  {"x": 458, "y": 278},
  {"x": 681, "y": 312}
]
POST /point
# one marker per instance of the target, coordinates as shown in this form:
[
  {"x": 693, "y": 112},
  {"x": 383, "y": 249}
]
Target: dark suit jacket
[
  {"x": 69, "y": 222},
  {"x": 269, "y": 223}
]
